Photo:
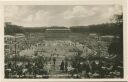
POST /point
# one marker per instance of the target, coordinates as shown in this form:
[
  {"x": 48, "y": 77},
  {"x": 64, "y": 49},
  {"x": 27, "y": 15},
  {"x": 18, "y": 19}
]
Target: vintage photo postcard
[{"x": 63, "y": 41}]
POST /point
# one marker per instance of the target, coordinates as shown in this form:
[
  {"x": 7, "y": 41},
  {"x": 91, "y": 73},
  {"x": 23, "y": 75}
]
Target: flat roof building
[{"x": 57, "y": 30}]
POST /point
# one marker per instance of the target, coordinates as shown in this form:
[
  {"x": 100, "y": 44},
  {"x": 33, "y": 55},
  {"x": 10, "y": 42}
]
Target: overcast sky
[{"x": 64, "y": 15}]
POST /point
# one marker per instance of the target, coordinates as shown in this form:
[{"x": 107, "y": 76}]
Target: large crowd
[{"x": 69, "y": 59}]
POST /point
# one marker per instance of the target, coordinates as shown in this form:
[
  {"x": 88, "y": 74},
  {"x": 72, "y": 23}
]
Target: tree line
[{"x": 102, "y": 29}]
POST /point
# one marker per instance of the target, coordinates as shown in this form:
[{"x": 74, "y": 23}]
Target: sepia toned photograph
[{"x": 63, "y": 41}]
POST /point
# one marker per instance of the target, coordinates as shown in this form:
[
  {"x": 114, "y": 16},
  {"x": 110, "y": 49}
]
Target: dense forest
[
  {"x": 116, "y": 46},
  {"x": 102, "y": 29},
  {"x": 11, "y": 29}
]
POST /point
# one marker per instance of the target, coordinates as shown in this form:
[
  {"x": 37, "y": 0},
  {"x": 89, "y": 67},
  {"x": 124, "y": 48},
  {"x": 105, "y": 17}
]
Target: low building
[
  {"x": 107, "y": 38},
  {"x": 57, "y": 30},
  {"x": 8, "y": 43},
  {"x": 14, "y": 44},
  {"x": 94, "y": 35},
  {"x": 9, "y": 39},
  {"x": 20, "y": 37}
]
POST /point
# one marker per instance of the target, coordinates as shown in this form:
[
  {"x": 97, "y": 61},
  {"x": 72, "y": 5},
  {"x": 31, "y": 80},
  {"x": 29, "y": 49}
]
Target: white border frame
[{"x": 66, "y": 2}]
